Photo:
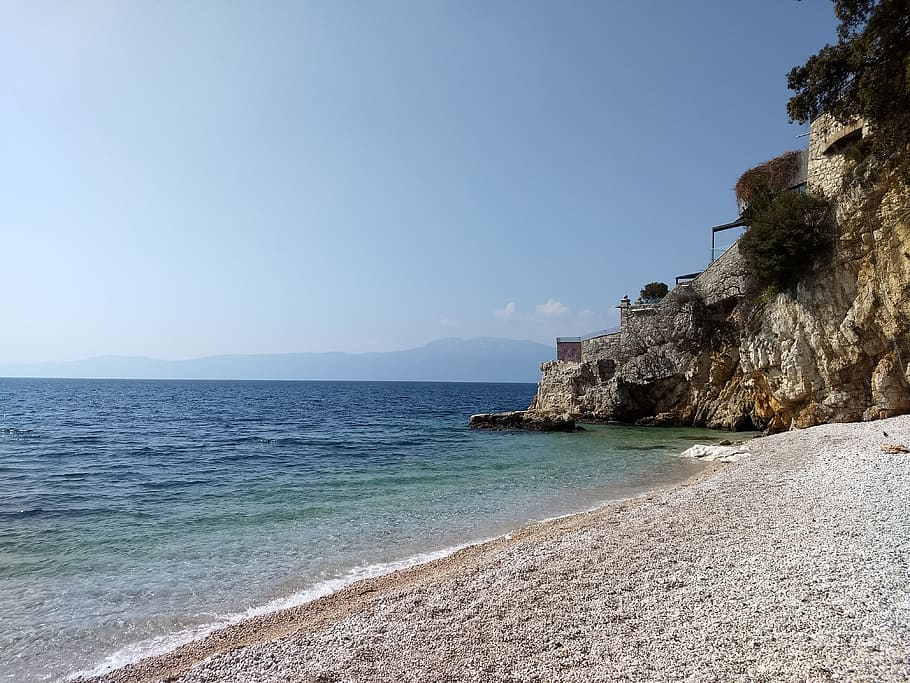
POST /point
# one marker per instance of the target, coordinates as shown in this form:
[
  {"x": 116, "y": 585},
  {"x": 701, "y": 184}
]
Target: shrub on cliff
[
  {"x": 787, "y": 234},
  {"x": 774, "y": 176},
  {"x": 654, "y": 290}
]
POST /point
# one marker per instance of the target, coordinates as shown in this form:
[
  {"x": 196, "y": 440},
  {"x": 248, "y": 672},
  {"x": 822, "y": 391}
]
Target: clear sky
[{"x": 182, "y": 179}]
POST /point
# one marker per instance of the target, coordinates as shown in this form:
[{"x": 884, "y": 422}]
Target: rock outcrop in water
[
  {"x": 715, "y": 353},
  {"x": 523, "y": 419}
]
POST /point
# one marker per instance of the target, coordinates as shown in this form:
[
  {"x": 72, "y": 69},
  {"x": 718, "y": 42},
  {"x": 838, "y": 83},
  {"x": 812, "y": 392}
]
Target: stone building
[{"x": 826, "y": 162}]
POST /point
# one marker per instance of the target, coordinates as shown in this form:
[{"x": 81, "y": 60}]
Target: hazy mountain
[{"x": 481, "y": 360}]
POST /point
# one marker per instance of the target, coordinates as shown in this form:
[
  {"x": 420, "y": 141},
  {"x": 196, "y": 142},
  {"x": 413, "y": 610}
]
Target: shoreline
[
  {"x": 223, "y": 631},
  {"x": 608, "y": 494},
  {"x": 625, "y": 544},
  {"x": 280, "y": 603}
]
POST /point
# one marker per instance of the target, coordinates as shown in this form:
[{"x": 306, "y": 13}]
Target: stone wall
[
  {"x": 568, "y": 350},
  {"x": 607, "y": 346},
  {"x": 826, "y": 164},
  {"x": 724, "y": 280},
  {"x": 726, "y": 277}
]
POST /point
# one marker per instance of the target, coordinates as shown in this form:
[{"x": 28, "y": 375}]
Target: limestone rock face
[{"x": 717, "y": 354}]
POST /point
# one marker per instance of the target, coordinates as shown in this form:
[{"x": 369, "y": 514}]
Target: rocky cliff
[{"x": 717, "y": 353}]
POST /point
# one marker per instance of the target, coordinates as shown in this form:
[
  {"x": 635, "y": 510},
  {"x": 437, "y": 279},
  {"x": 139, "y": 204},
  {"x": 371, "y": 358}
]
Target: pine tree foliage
[
  {"x": 788, "y": 233},
  {"x": 866, "y": 74}
]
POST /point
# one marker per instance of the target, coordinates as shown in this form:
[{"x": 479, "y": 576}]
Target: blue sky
[{"x": 190, "y": 178}]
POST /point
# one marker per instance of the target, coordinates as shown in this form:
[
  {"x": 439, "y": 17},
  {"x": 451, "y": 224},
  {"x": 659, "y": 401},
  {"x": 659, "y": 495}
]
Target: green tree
[
  {"x": 787, "y": 234},
  {"x": 654, "y": 290},
  {"x": 867, "y": 74}
]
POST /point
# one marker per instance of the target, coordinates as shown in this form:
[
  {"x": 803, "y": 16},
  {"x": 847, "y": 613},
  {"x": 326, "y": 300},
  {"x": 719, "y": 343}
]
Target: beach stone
[{"x": 715, "y": 453}]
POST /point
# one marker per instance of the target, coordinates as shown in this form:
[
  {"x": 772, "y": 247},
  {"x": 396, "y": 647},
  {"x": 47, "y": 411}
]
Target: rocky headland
[{"x": 721, "y": 352}]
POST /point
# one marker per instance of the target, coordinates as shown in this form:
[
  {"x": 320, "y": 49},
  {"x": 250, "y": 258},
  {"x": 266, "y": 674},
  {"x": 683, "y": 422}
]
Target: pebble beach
[{"x": 791, "y": 564}]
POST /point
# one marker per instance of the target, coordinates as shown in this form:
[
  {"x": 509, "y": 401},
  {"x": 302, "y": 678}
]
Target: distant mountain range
[{"x": 443, "y": 360}]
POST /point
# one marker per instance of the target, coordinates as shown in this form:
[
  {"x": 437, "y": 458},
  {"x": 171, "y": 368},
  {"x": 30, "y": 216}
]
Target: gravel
[{"x": 792, "y": 564}]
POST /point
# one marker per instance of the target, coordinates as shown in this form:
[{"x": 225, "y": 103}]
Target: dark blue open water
[{"x": 135, "y": 515}]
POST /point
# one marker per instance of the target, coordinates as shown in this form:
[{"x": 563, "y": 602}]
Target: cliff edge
[{"x": 718, "y": 352}]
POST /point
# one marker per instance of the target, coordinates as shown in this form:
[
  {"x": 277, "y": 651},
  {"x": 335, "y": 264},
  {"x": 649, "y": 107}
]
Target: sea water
[{"x": 137, "y": 515}]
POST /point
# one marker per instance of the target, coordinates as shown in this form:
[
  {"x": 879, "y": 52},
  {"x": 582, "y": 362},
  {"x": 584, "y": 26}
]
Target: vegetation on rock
[
  {"x": 866, "y": 74},
  {"x": 740, "y": 351},
  {"x": 654, "y": 290},
  {"x": 787, "y": 234},
  {"x": 772, "y": 176}
]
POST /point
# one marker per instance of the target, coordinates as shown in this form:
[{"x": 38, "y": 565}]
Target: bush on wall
[
  {"x": 654, "y": 290},
  {"x": 772, "y": 176}
]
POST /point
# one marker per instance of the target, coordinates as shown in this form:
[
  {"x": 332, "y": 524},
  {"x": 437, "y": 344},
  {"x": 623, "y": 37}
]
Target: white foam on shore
[
  {"x": 162, "y": 644},
  {"x": 159, "y": 645},
  {"x": 152, "y": 647}
]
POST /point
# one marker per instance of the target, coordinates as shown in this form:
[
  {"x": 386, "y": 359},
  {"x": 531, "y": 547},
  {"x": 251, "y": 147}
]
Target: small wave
[
  {"x": 22, "y": 514},
  {"x": 17, "y": 433},
  {"x": 347, "y": 442},
  {"x": 86, "y": 438},
  {"x": 168, "y": 642},
  {"x": 648, "y": 447},
  {"x": 273, "y": 441},
  {"x": 64, "y": 512}
]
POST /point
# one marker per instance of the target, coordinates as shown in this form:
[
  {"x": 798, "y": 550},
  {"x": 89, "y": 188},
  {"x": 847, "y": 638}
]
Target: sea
[{"x": 138, "y": 515}]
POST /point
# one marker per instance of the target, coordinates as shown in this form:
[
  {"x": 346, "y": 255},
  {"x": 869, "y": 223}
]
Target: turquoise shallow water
[{"x": 135, "y": 515}]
